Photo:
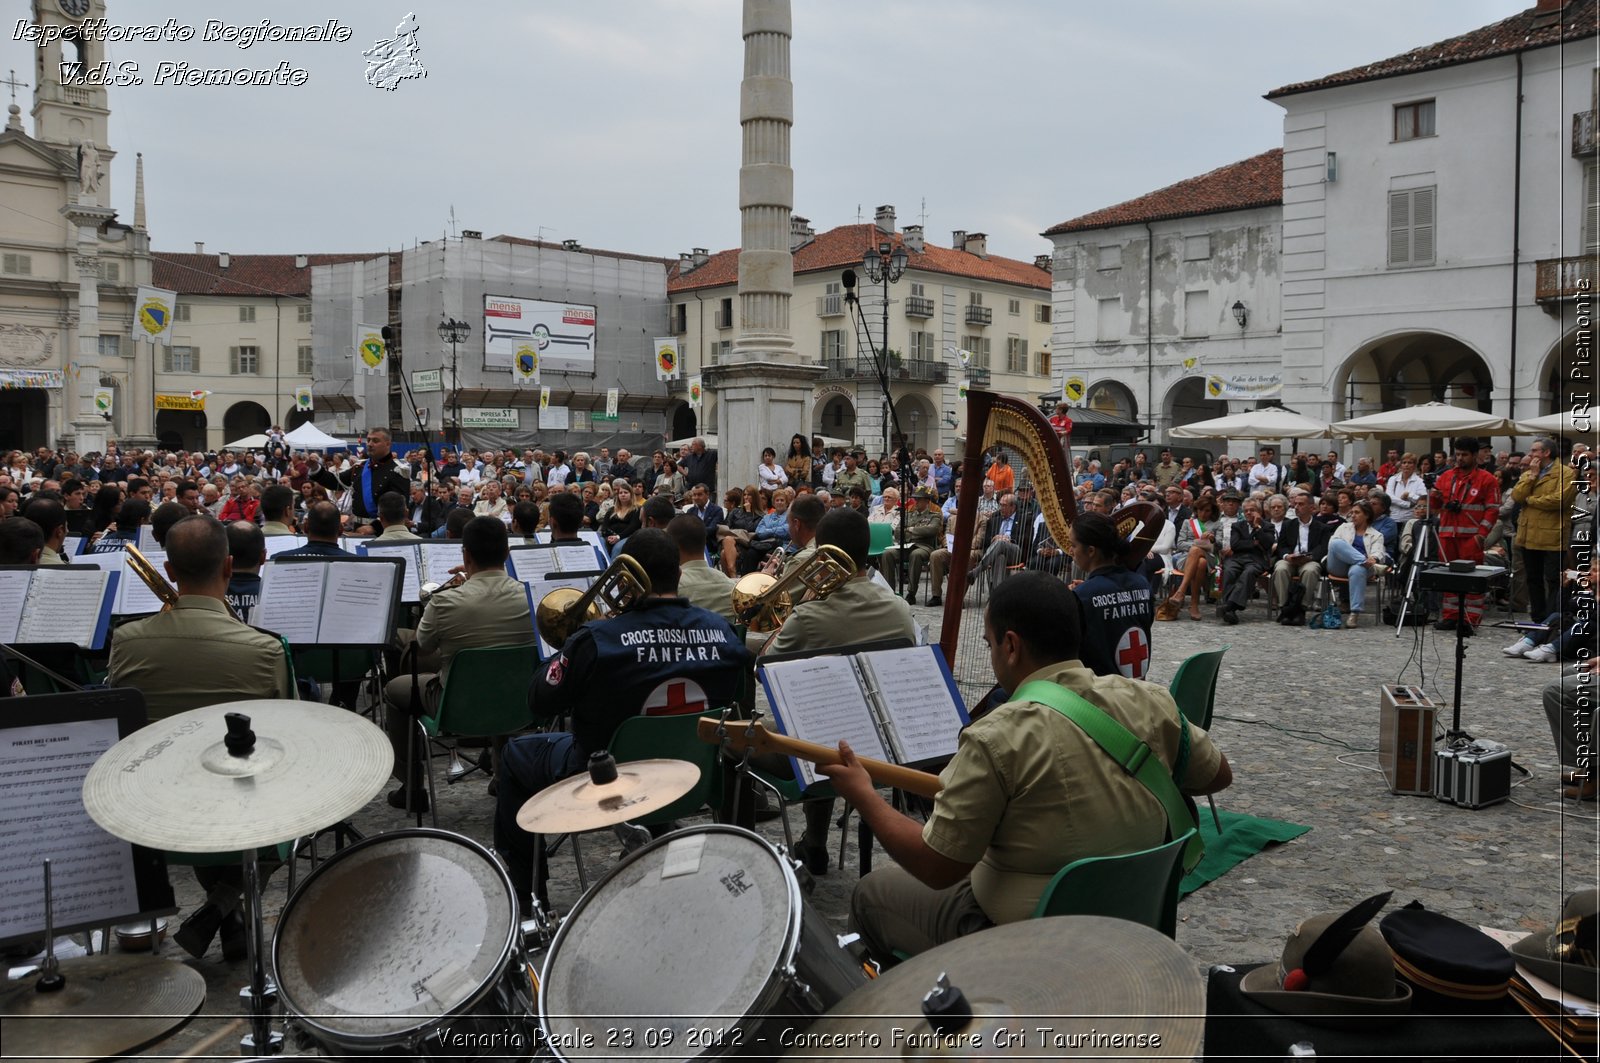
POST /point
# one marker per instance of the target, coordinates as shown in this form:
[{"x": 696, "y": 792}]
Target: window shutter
[
  {"x": 1591, "y": 209},
  {"x": 166, "y": 359},
  {"x": 233, "y": 360},
  {"x": 194, "y": 359},
  {"x": 1422, "y": 227},
  {"x": 1399, "y": 228}
]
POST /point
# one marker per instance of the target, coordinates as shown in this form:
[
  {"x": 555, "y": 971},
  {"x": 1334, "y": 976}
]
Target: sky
[{"x": 615, "y": 122}]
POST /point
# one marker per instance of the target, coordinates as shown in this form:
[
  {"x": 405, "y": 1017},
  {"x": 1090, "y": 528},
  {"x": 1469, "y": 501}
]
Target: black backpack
[{"x": 1293, "y": 612}]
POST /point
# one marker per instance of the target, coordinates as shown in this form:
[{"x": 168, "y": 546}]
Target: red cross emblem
[
  {"x": 674, "y": 698},
  {"x": 1133, "y": 653}
]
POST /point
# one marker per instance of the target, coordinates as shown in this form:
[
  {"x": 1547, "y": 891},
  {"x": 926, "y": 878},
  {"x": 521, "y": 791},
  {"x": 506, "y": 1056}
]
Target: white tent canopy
[
  {"x": 1565, "y": 423},
  {"x": 255, "y": 442},
  {"x": 1429, "y": 419},
  {"x": 309, "y": 437},
  {"x": 1271, "y": 423}
]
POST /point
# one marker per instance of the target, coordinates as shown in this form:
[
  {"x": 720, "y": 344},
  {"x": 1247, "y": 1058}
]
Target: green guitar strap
[{"x": 1127, "y": 750}]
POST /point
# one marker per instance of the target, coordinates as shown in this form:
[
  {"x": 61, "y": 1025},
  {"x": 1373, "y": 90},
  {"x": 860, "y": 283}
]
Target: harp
[{"x": 1027, "y": 438}]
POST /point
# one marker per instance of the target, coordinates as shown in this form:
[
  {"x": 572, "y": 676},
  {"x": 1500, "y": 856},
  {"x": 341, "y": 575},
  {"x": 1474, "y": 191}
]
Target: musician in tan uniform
[
  {"x": 860, "y": 611},
  {"x": 697, "y": 581},
  {"x": 192, "y": 656},
  {"x": 924, "y": 533},
  {"x": 1027, "y": 792},
  {"x": 489, "y": 609}
]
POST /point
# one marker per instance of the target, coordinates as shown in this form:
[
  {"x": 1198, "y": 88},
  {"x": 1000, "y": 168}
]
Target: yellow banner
[{"x": 180, "y": 402}]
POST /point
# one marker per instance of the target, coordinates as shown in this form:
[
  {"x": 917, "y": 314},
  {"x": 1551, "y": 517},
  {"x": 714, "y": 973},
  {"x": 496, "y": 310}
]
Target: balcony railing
[
  {"x": 979, "y": 315},
  {"x": 1559, "y": 279},
  {"x": 831, "y": 305},
  {"x": 919, "y": 306},
  {"x": 914, "y": 370},
  {"x": 1583, "y": 135}
]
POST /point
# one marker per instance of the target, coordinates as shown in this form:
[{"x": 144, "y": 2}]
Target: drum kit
[{"x": 699, "y": 943}]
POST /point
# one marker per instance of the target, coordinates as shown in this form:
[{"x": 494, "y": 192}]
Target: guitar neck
[{"x": 743, "y": 735}]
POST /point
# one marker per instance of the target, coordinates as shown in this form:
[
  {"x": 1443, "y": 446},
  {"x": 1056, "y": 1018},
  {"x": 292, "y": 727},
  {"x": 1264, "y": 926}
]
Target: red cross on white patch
[
  {"x": 674, "y": 698},
  {"x": 1133, "y": 653}
]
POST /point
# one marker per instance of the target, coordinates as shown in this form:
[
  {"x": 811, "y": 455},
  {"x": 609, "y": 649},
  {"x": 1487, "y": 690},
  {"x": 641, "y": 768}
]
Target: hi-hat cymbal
[
  {"x": 580, "y": 803},
  {"x": 111, "y": 1005},
  {"x": 174, "y": 784},
  {"x": 1066, "y": 975}
]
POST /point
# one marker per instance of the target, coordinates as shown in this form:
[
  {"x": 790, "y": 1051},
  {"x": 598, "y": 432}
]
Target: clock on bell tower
[{"x": 67, "y": 109}]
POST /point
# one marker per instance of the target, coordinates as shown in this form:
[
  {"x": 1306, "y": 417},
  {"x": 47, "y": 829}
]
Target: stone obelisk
[{"x": 763, "y": 387}]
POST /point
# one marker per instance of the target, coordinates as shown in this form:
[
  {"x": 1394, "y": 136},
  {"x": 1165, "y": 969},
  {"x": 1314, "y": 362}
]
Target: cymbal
[
  {"x": 174, "y": 785},
  {"x": 580, "y": 804},
  {"x": 1068, "y": 974},
  {"x": 111, "y": 1005}
]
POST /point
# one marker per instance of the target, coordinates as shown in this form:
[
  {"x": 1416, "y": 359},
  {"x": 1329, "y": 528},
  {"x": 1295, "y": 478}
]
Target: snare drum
[
  {"x": 408, "y": 940},
  {"x": 699, "y": 943}
]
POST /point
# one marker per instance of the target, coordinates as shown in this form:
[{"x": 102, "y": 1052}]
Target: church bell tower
[{"x": 68, "y": 108}]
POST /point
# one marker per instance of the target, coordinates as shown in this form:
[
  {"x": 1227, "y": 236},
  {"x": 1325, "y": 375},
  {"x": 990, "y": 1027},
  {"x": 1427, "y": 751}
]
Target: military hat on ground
[
  {"x": 1450, "y": 966},
  {"x": 1566, "y": 955}
]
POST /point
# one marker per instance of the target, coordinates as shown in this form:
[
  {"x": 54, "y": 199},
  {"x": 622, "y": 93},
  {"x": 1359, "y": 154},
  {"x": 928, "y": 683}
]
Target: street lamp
[
  {"x": 454, "y": 333},
  {"x": 884, "y": 265}
]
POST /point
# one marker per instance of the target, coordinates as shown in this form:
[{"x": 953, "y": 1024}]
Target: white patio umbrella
[
  {"x": 309, "y": 437},
  {"x": 1565, "y": 423},
  {"x": 711, "y": 441},
  {"x": 1273, "y": 423},
  {"x": 1429, "y": 419},
  {"x": 254, "y": 442}
]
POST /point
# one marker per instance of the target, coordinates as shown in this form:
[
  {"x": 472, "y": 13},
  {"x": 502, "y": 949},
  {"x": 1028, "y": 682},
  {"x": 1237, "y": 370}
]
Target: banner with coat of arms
[
  {"x": 153, "y": 316},
  {"x": 372, "y": 353},
  {"x": 695, "y": 392},
  {"x": 525, "y": 365},
  {"x": 544, "y": 398},
  {"x": 668, "y": 362},
  {"x": 303, "y": 400}
]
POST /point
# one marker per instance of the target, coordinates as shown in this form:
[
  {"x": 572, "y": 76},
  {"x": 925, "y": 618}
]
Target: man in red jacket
[{"x": 1467, "y": 500}]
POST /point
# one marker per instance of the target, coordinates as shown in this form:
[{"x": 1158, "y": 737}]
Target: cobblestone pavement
[{"x": 1297, "y": 714}]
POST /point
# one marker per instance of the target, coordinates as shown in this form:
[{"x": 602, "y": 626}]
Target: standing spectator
[
  {"x": 797, "y": 465},
  {"x": 559, "y": 470},
  {"x": 709, "y": 512},
  {"x": 1266, "y": 474},
  {"x": 1166, "y": 471},
  {"x": 1467, "y": 500},
  {"x": 834, "y": 467},
  {"x": 769, "y": 474},
  {"x": 1546, "y": 492},
  {"x": 1405, "y": 489},
  {"x": 581, "y": 472},
  {"x": 700, "y": 464},
  {"x": 602, "y": 465},
  {"x": 1364, "y": 476},
  {"x": 943, "y": 475},
  {"x": 1390, "y": 466},
  {"x": 1061, "y": 423}
]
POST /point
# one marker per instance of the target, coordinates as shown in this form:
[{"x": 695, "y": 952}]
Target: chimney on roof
[
  {"x": 911, "y": 236},
  {"x": 199, "y": 247},
  {"x": 978, "y": 244},
  {"x": 301, "y": 261},
  {"x": 958, "y": 239},
  {"x": 685, "y": 263},
  {"x": 571, "y": 245},
  {"x": 223, "y": 260},
  {"x": 885, "y": 219},
  {"x": 700, "y": 256},
  {"x": 1042, "y": 262},
  {"x": 800, "y": 232},
  {"x": 1550, "y": 5}
]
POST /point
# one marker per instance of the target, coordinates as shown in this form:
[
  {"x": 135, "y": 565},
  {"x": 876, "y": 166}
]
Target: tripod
[{"x": 1419, "y": 550}]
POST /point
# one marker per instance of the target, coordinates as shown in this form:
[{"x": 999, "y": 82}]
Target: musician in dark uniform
[
  {"x": 373, "y": 478},
  {"x": 1115, "y": 603},
  {"x": 661, "y": 657}
]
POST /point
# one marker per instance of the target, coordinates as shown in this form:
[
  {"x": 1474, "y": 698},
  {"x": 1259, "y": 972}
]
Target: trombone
[
  {"x": 564, "y": 610},
  {"x": 764, "y": 603},
  {"x": 152, "y": 578}
]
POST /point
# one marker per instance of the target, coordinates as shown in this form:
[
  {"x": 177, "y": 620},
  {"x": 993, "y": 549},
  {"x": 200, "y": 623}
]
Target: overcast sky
[{"x": 615, "y": 122}]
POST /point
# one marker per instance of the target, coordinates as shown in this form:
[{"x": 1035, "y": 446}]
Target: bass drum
[
  {"x": 408, "y": 941},
  {"x": 698, "y": 944}
]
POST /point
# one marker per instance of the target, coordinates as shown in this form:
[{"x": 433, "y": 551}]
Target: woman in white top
[
  {"x": 1356, "y": 553},
  {"x": 770, "y": 473},
  {"x": 1405, "y": 489}
]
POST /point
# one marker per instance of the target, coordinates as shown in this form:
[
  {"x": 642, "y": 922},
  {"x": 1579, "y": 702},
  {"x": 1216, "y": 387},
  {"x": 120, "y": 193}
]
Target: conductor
[{"x": 373, "y": 478}]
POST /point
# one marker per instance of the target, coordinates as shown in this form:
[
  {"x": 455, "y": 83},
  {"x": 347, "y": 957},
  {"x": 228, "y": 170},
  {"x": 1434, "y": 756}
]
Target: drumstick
[
  {"x": 211, "y": 1042},
  {"x": 921, "y": 783}
]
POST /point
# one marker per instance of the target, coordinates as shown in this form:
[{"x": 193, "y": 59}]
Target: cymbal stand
[
  {"x": 260, "y": 995},
  {"x": 1455, "y": 732},
  {"x": 50, "y": 979}
]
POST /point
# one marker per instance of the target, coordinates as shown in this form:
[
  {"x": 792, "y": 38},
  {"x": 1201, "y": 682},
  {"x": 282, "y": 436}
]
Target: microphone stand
[
  {"x": 880, "y": 364},
  {"x": 416, "y": 411}
]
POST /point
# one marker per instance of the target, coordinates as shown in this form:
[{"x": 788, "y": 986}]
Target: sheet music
[
  {"x": 146, "y": 539},
  {"x": 134, "y": 598},
  {"x": 532, "y": 566},
  {"x": 438, "y": 558},
  {"x": 62, "y": 606},
  {"x": 574, "y": 557},
  {"x": 72, "y": 546},
  {"x": 356, "y": 604},
  {"x": 13, "y": 594},
  {"x": 592, "y": 537},
  {"x": 411, "y": 579},
  {"x": 923, "y": 715},
  {"x": 536, "y": 593},
  {"x": 820, "y": 700},
  {"x": 291, "y": 594},
  {"x": 277, "y": 544},
  {"x": 42, "y": 815}
]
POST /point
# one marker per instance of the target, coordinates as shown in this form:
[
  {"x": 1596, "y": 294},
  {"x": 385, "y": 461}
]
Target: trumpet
[
  {"x": 151, "y": 578},
  {"x": 428, "y": 590},
  {"x": 564, "y": 610},
  {"x": 764, "y": 603}
]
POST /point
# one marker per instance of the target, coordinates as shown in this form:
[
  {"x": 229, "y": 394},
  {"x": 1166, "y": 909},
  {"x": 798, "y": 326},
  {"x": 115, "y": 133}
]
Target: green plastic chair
[
  {"x": 485, "y": 696},
  {"x": 328, "y": 665},
  {"x": 1139, "y": 887},
  {"x": 1194, "y": 688},
  {"x": 882, "y": 538}
]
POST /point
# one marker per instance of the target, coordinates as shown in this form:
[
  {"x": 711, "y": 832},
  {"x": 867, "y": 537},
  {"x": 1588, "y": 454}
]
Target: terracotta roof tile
[
  {"x": 839, "y": 248},
  {"x": 1529, "y": 29},
  {"x": 1255, "y": 182},
  {"x": 264, "y": 275}
]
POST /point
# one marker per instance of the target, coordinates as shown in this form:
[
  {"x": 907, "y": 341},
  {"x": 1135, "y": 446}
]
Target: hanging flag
[
  {"x": 154, "y": 314},
  {"x": 103, "y": 399},
  {"x": 695, "y": 394},
  {"x": 962, "y": 386},
  {"x": 372, "y": 354},
  {"x": 302, "y": 398},
  {"x": 544, "y": 397},
  {"x": 199, "y": 395},
  {"x": 965, "y": 356},
  {"x": 668, "y": 364},
  {"x": 75, "y": 369},
  {"x": 525, "y": 365},
  {"x": 613, "y": 400}
]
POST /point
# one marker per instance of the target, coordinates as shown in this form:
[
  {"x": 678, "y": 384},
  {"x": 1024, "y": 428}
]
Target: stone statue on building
[{"x": 89, "y": 172}]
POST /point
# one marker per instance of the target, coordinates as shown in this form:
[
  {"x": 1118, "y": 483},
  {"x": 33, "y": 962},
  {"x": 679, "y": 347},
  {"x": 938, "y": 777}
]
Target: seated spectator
[
  {"x": 1244, "y": 559},
  {"x": 741, "y": 515},
  {"x": 1569, "y": 633},
  {"x": 1194, "y": 552},
  {"x": 1356, "y": 553}
]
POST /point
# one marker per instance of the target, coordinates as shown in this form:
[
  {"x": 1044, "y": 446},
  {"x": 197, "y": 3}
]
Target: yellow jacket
[{"x": 1546, "y": 507}]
